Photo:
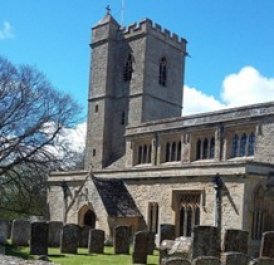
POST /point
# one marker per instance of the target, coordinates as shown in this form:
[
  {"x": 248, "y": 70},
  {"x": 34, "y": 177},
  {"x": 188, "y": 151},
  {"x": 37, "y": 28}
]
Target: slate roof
[{"x": 116, "y": 198}]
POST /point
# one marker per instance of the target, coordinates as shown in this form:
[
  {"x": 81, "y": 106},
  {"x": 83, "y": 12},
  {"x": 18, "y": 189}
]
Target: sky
[{"x": 230, "y": 43}]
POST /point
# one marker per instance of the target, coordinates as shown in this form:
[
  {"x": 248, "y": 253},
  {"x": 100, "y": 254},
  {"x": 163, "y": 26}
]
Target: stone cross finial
[{"x": 108, "y": 9}]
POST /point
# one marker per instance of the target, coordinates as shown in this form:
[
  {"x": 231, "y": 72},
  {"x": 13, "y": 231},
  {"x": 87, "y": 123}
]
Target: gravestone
[
  {"x": 166, "y": 245},
  {"x": 232, "y": 258},
  {"x": 206, "y": 261},
  {"x": 20, "y": 233},
  {"x": 121, "y": 239},
  {"x": 176, "y": 261},
  {"x": 236, "y": 241},
  {"x": 267, "y": 245},
  {"x": 84, "y": 234},
  {"x": 150, "y": 242},
  {"x": 3, "y": 231},
  {"x": 205, "y": 241},
  {"x": 96, "y": 241},
  {"x": 167, "y": 232},
  {"x": 55, "y": 228},
  {"x": 39, "y": 232},
  {"x": 70, "y": 238},
  {"x": 139, "y": 254}
]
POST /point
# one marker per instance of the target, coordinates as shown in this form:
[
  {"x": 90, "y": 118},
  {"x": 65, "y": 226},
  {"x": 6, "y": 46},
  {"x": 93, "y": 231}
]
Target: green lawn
[{"x": 82, "y": 258}]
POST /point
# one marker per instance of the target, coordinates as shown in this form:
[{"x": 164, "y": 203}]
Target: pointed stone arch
[{"x": 86, "y": 216}]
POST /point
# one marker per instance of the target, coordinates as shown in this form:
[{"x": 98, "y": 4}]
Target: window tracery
[{"x": 189, "y": 212}]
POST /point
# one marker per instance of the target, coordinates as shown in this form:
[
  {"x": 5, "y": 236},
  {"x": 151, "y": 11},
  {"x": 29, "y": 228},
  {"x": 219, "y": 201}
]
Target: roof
[{"x": 116, "y": 198}]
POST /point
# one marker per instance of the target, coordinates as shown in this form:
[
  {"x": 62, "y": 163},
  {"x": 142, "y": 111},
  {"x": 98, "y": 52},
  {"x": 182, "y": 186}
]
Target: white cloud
[
  {"x": 196, "y": 101},
  {"x": 6, "y": 32},
  {"x": 247, "y": 86}
]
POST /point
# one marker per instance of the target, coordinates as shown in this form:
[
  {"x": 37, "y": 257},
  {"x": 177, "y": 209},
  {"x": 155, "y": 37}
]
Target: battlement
[{"x": 146, "y": 26}]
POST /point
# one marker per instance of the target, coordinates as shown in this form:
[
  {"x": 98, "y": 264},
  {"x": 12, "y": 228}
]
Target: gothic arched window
[
  {"x": 198, "y": 149},
  {"x": 127, "y": 74},
  {"x": 243, "y": 145},
  {"x": 179, "y": 151},
  {"x": 167, "y": 152},
  {"x": 251, "y": 144},
  {"x": 140, "y": 151},
  {"x": 205, "y": 149},
  {"x": 173, "y": 151},
  {"x": 153, "y": 215},
  {"x": 163, "y": 72},
  {"x": 234, "y": 148},
  {"x": 212, "y": 148},
  {"x": 189, "y": 213}
]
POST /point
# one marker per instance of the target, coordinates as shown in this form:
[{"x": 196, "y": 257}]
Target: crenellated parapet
[{"x": 146, "y": 26}]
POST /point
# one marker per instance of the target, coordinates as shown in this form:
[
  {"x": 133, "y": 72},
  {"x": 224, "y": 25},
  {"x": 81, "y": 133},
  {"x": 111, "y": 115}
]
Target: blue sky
[{"x": 224, "y": 37}]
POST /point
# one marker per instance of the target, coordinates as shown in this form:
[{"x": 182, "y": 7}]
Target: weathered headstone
[
  {"x": 69, "y": 238},
  {"x": 84, "y": 234},
  {"x": 236, "y": 241},
  {"x": 96, "y": 241},
  {"x": 181, "y": 247},
  {"x": 166, "y": 245},
  {"x": 206, "y": 261},
  {"x": 176, "y": 261},
  {"x": 121, "y": 239},
  {"x": 267, "y": 245},
  {"x": 139, "y": 254},
  {"x": 205, "y": 241},
  {"x": 167, "y": 232},
  {"x": 55, "y": 228},
  {"x": 236, "y": 258},
  {"x": 265, "y": 261},
  {"x": 150, "y": 242},
  {"x": 39, "y": 233},
  {"x": 20, "y": 233},
  {"x": 3, "y": 231}
]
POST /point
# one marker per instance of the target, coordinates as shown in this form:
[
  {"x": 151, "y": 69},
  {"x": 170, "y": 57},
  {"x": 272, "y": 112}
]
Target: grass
[{"x": 82, "y": 258}]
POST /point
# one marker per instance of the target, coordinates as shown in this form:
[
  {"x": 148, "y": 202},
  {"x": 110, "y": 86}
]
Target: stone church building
[{"x": 145, "y": 163}]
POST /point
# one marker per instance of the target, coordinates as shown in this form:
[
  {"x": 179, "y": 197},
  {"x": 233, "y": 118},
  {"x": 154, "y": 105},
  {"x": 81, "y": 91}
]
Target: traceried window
[
  {"x": 163, "y": 72},
  {"x": 144, "y": 154},
  {"x": 153, "y": 213},
  {"x": 205, "y": 148},
  {"x": 173, "y": 151},
  {"x": 128, "y": 69},
  {"x": 243, "y": 146},
  {"x": 251, "y": 144},
  {"x": 263, "y": 214},
  {"x": 189, "y": 212}
]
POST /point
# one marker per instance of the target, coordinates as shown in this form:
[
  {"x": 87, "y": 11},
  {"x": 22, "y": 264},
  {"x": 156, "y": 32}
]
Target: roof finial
[{"x": 108, "y": 10}]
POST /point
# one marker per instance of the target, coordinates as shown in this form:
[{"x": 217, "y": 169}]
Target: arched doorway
[
  {"x": 86, "y": 216},
  {"x": 90, "y": 219}
]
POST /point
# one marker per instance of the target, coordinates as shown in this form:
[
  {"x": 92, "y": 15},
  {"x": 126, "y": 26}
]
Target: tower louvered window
[
  {"x": 127, "y": 73},
  {"x": 163, "y": 72}
]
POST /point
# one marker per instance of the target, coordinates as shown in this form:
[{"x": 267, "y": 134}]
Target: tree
[{"x": 32, "y": 116}]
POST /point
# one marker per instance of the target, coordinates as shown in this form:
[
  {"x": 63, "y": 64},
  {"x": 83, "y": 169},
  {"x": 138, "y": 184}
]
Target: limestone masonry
[{"x": 145, "y": 164}]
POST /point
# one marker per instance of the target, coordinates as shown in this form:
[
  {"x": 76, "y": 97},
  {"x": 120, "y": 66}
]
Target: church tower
[{"x": 136, "y": 76}]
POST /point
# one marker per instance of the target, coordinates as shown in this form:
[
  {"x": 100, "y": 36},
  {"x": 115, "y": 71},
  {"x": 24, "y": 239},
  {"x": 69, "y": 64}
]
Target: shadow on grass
[{"x": 16, "y": 251}]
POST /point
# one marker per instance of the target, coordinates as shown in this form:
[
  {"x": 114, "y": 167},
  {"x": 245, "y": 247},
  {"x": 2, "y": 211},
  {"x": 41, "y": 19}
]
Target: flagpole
[{"x": 122, "y": 13}]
